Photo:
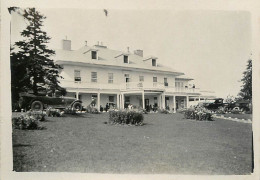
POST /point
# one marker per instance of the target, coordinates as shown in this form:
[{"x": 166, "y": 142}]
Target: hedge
[{"x": 126, "y": 117}]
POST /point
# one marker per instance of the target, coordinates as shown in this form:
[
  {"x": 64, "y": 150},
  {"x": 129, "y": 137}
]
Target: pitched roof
[{"x": 108, "y": 57}]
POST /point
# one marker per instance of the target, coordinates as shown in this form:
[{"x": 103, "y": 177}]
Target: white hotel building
[{"x": 123, "y": 78}]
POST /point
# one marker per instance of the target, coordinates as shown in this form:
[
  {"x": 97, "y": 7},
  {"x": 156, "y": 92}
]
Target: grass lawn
[
  {"x": 238, "y": 116},
  {"x": 167, "y": 143}
]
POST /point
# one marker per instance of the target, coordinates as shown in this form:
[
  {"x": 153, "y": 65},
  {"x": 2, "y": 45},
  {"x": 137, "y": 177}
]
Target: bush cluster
[
  {"x": 163, "y": 111},
  {"x": 91, "y": 110},
  {"x": 29, "y": 121},
  {"x": 198, "y": 113},
  {"x": 126, "y": 117},
  {"x": 50, "y": 112}
]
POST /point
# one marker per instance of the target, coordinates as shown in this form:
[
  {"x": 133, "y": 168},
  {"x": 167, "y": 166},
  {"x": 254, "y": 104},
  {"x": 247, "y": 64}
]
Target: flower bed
[
  {"x": 198, "y": 113},
  {"x": 126, "y": 117},
  {"x": 28, "y": 121}
]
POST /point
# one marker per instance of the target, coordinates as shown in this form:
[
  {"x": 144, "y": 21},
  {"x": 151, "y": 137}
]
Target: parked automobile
[
  {"x": 241, "y": 105},
  {"x": 39, "y": 102}
]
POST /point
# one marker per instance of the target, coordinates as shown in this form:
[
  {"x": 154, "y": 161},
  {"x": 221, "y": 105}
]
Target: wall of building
[{"x": 118, "y": 75}]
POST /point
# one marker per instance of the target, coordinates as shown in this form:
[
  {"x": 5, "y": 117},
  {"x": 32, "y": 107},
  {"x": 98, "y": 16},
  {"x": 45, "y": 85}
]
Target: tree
[
  {"x": 31, "y": 65},
  {"x": 246, "y": 90}
]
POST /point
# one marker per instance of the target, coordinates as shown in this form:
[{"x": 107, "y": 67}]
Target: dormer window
[
  {"x": 94, "y": 54},
  {"x": 126, "y": 59},
  {"x": 154, "y": 62}
]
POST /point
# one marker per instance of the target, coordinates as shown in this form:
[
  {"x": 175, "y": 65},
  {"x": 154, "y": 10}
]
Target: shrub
[
  {"x": 221, "y": 110},
  {"x": 38, "y": 115},
  {"x": 69, "y": 111},
  {"x": 91, "y": 110},
  {"x": 235, "y": 111},
  {"x": 53, "y": 112},
  {"x": 198, "y": 113},
  {"x": 126, "y": 117},
  {"x": 29, "y": 122},
  {"x": 163, "y": 111}
]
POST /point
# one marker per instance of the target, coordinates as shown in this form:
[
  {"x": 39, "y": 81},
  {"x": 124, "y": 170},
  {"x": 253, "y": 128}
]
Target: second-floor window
[
  {"x": 93, "y": 76},
  {"x": 77, "y": 77},
  {"x": 125, "y": 59},
  {"x": 141, "y": 78},
  {"x": 165, "y": 82},
  {"x": 94, "y": 54},
  {"x": 154, "y": 79},
  {"x": 110, "y": 78},
  {"x": 153, "y": 62}
]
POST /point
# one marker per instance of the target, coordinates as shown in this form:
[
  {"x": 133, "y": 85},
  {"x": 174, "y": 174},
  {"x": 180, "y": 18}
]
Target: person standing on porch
[{"x": 107, "y": 107}]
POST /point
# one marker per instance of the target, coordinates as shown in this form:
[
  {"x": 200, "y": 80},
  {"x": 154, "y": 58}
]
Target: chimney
[
  {"x": 139, "y": 52},
  {"x": 66, "y": 44}
]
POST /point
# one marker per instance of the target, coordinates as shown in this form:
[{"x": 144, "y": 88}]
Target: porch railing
[{"x": 156, "y": 86}]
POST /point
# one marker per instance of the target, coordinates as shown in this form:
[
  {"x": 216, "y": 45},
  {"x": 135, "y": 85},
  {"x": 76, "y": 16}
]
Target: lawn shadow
[
  {"x": 22, "y": 145},
  {"x": 77, "y": 115}
]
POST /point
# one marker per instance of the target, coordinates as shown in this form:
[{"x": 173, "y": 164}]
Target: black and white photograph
[{"x": 129, "y": 91}]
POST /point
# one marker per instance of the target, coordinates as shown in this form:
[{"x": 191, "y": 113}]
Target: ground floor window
[
  {"x": 127, "y": 101},
  {"x": 167, "y": 99},
  {"x": 111, "y": 100},
  {"x": 155, "y": 101}
]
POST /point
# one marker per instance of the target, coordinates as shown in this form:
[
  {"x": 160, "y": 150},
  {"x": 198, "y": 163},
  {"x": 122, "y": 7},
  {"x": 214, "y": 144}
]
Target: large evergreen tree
[
  {"x": 246, "y": 90},
  {"x": 31, "y": 65}
]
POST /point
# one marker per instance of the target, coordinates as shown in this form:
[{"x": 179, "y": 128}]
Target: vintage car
[{"x": 37, "y": 102}]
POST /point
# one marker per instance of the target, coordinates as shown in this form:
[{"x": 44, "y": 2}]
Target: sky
[{"x": 210, "y": 46}]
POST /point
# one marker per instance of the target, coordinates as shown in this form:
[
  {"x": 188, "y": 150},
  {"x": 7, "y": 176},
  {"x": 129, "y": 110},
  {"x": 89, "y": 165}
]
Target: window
[
  {"x": 94, "y": 54},
  {"x": 153, "y": 62},
  {"x": 110, "y": 78},
  {"x": 127, "y": 78},
  {"x": 111, "y": 100},
  {"x": 165, "y": 82},
  {"x": 127, "y": 101},
  {"x": 77, "y": 77},
  {"x": 155, "y": 101},
  {"x": 125, "y": 59},
  {"x": 93, "y": 76},
  {"x": 141, "y": 78},
  {"x": 154, "y": 79}
]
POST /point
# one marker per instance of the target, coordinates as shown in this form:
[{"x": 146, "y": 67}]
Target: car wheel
[
  {"x": 37, "y": 106},
  {"x": 77, "y": 106},
  {"x": 236, "y": 108}
]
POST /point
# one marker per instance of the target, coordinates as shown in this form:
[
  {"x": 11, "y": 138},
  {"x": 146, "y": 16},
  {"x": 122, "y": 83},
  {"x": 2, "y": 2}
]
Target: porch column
[
  {"x": 159, "y": 101},
  {"x": 143, "y": 99},
  {"x": 77, "y": 95},
  {"x": 163, "y": 100},
  {"x": 187, "y": 101},
  {"x": 123, "y": 101},
  {"x": 199, "y": 98},
  {"x": 174, "y": 104},
  {"x": 98, "y": 101},
  {"x": 117, "y": 101}
]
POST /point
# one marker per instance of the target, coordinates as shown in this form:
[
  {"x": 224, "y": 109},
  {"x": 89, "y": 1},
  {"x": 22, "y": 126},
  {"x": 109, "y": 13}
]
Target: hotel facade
[{"x": 121, "y": 78}]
